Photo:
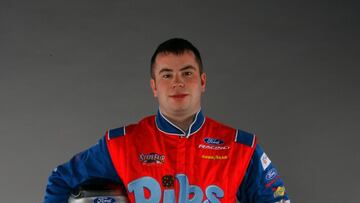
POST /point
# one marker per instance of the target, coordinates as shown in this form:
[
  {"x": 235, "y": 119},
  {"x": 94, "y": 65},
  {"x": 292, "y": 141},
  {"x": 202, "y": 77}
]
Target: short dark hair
[{"x": 175, "y": 46}]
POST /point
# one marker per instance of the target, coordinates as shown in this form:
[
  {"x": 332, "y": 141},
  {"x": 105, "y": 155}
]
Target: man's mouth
[{"x": 178, "y": 96}]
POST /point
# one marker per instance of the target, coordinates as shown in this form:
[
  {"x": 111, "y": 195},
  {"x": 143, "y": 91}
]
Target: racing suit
[{"x": 159, "y": 162}]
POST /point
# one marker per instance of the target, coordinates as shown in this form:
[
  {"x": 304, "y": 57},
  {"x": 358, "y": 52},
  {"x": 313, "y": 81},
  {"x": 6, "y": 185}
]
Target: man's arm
[
  {"x": 262, "y": 182},
  {"x": 91, "y": 163}
]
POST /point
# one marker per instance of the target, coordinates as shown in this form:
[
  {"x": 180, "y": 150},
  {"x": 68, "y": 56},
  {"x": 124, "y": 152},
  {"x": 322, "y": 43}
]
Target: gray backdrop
[{"x": 286, "y": 70}]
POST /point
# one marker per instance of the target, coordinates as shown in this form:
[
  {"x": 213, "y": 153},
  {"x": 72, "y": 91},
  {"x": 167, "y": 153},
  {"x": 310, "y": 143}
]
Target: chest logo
[
  {"x": 151, "y": 158},
  {"x": 211, "y": 147},
  {"x": 186, "y": 192},
  {"x": 213, "y": 141}
]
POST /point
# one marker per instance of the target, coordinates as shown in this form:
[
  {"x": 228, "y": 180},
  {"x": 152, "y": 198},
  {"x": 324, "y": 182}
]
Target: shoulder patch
[
  {"x": 246, "y": 138},
  {"x": 116, "y": 132}
]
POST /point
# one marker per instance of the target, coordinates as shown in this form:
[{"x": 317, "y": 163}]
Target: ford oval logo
[
  {"x": 104, "y": 200},
  {"x": 272, "y": 173},
  {"x": 213, "y": 141}
]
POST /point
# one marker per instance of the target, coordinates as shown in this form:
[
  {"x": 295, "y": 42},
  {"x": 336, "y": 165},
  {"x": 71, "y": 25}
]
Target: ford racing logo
[
  {"x": 213, "y": 141},
  {"x": 272, "y": 173},
  {"x": 104, "y": 200}
]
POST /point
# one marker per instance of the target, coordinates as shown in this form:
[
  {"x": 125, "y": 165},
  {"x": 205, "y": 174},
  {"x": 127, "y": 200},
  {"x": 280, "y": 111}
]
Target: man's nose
[{"x": 178, "y": 82}]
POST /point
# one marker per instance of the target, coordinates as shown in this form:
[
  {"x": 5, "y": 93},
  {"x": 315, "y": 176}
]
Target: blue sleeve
[
  {"x": 92, "y": 163},
  {"x": 262, "y": 182}
]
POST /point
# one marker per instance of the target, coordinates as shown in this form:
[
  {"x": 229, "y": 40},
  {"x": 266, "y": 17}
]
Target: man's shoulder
[
  {"x": 217, "y": 124},
  {"x": 121, "y": 131},
  {"x": 240, "y": 136}
]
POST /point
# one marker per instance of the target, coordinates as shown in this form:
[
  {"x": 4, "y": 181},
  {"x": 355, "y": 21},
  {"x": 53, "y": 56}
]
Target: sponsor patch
[
  {"x": 271, "y": 174},
  {"x": 213, "y": 141},
  {"x": 212, "y": 147},
  {"x": 168, "y": 181},
  {"x": 151, "y": 158},
  {"x": 104, "y": 200},
  {"x": 214, "y": 157},
  {"x": 279, "y": 192},
  {"x": 265, "y": 161},
  {"x": 269, "y": 184}
]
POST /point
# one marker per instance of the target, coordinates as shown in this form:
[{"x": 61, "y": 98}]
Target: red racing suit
[{"x": 159, "y": 162}]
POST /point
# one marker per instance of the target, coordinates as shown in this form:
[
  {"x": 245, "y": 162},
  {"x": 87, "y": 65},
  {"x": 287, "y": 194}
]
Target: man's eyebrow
[
  {"x": 165, "y": 70},
  {"x": 187, "y": 67}
]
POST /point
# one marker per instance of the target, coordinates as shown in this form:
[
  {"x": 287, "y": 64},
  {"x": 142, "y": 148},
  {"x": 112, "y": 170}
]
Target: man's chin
[
  {"x": 178, "y": 110},
  {"x": 182, "y": 111}
]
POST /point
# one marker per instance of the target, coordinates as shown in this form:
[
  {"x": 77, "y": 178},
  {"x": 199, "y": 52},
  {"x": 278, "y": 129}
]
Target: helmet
[{"x": 99, "y": 191}]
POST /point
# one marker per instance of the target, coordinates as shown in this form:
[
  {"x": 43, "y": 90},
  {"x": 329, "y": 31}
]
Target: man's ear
[
  {"x": 153, "y": 87},
  {"x": 203, "y": 81}
]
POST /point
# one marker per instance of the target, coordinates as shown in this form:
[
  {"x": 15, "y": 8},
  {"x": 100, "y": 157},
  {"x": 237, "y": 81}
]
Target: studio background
[{"x": 285, "y": 70}]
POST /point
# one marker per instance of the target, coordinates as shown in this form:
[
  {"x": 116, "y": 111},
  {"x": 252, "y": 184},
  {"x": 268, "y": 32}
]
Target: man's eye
[
  {"x": 188, "y": 73},
  {"x": 165, "y": 76}
]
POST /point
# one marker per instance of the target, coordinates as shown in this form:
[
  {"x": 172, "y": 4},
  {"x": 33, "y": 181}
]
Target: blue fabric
[
  {"x": 116, "y": 132},
  {"x": 259, "y": 184},
  {"x": 92, "y": 163},
  {"x": 245, "y": 138}
]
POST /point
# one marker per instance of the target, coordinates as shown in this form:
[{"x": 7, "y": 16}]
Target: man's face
[{"x": 178, "y": 84}]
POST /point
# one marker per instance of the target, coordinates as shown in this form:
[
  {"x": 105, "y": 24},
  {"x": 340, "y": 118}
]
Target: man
[{"x": 178, "y": 155}]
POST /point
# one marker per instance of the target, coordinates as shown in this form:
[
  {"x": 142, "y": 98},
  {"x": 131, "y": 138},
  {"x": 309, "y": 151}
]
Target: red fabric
[{"x": 224, "y": 168}]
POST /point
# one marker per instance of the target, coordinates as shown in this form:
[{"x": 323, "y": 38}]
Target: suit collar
[{"x": 166, "y": 126}]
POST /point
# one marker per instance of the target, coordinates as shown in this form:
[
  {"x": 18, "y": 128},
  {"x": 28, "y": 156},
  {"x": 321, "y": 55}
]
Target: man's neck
[{"x": 183, "y": 122}]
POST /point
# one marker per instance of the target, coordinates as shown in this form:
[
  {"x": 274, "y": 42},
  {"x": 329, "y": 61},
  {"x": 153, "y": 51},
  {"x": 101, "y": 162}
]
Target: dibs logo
[{"x": 186, "y": 192}]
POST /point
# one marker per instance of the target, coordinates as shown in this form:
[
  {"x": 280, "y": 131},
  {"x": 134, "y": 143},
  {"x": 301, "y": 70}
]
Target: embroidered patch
[
  {"x": 271, "y": 174},
  {"x": 265, "y": 161},
  {"x": 214, "y": 157},
  {"x": 168, "y": 181},
  {"x": 152, "y": 158},
  {"x": 279, "y": 192},
  {"x": 212, "y": 147},
  {"x": 213, "y": 141}
]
